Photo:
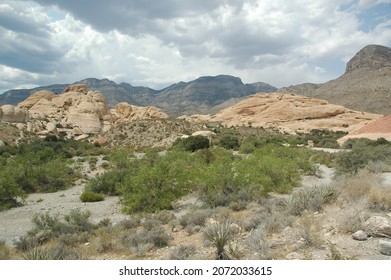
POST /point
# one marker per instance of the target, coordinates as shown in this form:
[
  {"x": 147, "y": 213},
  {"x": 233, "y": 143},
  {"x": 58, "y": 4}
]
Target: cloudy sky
[{"x": 157, "y": 43}]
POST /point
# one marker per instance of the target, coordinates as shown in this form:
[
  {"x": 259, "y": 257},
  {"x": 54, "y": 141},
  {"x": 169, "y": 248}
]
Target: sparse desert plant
[
  {"x": 155, "y": 237},
  {"x": 41, "y": 253},
  {"x": 196, "y": 217},
  {"x": 5, "y": 251},
  {"x": 351, "y": 223},
  {"x": 164, "y": 216},
  {"x": 219, "y": 234},
  {"x": 257, "y": 242},
  {"x": 309, "y": 230},
  {"x": 367, "y": 189},
  {"x": 311, "y": 198},
  {"x": 88, "y": 196},
  {"x": 24, "y": 243},
  {"x": 183, "y": 252},
  {"x": 376, "y": 167},
  {"x": 335, "y": 254}
]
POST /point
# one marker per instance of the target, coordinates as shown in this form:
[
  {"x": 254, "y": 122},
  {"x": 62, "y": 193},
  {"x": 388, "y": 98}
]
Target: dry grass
[{"x": 366, "y": 188}]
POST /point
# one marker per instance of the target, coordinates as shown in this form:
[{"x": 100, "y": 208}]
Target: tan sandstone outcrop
[
  {"x": 379, "y": 128},
  {"x": 125, "y": 112},
  {"x": 12, "y": 114},
  {"x": 289, "y": 113},
  {"x": 77, "y": 112}
]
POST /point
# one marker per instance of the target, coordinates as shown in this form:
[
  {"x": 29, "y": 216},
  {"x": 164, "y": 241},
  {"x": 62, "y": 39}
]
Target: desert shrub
[
  {"x": 229, "y": 142},
  {"x": 362, "y": 152},
  {"x": 107, "y": 182},
  {"x": 24, "y": 243},
  {"x": 149, "y": 224},
  {"x": 324, "y": 138},
  {"x": 351, "y": 223},
  {"x": 75, "y": 222},
  {"x": 10, "y": 191},
  {"x": 88, "y": 196},
  {"x": 5, "y": 251},
  {"x": 192, "y": 143},
  {"x": 41, "y": 253},
  {"x": 257, "y": 242},
  {"x": 367, "y": 189},
  {"x": 164, "y": 216},
  {"x": 195, "y": 218},
  {"x": 247, "y": 147},
  {"x": 157, "y": 182},
  {"x": 311, "y": 198},
  {"x": 183, "y": 252},
  {"x": 130, "y": 222},
  {"x": 219, "y": 234},
  {"x": 309, "y": 229},
  {"x": 238, "y": 205},
  {"x": 156, "y": 236}
]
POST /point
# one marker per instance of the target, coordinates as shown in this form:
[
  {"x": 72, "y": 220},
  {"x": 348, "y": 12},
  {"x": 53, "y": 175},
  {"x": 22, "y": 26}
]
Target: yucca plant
[{"x": 219, "y": 234}]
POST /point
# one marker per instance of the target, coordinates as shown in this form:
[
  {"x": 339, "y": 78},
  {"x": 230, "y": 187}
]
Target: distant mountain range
[
  {"x": 365, "y": 85},
  {"x": 203, "y": 95}
]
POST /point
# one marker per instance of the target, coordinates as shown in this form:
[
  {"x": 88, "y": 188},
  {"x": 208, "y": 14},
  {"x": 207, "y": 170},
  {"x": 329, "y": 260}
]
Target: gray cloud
[{"x": 158, "y": 42}]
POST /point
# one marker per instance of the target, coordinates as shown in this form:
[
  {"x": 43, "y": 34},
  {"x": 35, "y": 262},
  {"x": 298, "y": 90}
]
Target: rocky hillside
[
  {"x": 365, "y": 85},
  {"x": 288, "y": 113},
  {"x": 77, "y": 113},
  {"x": 198, "y": 96}
]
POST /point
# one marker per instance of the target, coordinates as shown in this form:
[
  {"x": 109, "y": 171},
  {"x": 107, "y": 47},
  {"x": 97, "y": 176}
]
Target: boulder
[
  {"x": 13, "y": 114},
  {"x": 51, "y": 127},
  {"x": 124, "y": 112},
  {"x": 360, "y": 235},
  {"x": 82, "y": 88},
  {"x": 378, "y": 226},
  {"x": 385, "y": 247},
  {"x": 2, "y": 143},
  {"x": 35, "y": 97}
]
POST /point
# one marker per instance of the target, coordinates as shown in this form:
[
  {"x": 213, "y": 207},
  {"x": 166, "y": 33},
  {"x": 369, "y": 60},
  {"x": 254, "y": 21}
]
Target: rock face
[
  {"x": 125, "y": 112},
  {"x": 289, "y": 113},
  {"x": 379, "y": 128},
  {"x": 379, "y": 226},
  {"x": 77, "y": 112},
  {"x": 12, "y": 114},
  {"x": 365, "y": 85}
]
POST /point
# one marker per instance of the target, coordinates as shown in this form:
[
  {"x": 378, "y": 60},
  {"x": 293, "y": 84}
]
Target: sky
[{"x": 158, "y": 43}]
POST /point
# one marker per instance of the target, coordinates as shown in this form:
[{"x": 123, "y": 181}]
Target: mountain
[
  {"x": 198, "y": 96},
  {"x": 365, "y": 85}
]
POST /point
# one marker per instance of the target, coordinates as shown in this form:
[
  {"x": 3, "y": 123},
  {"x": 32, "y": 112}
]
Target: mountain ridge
[{"x": 197, "y": 96}]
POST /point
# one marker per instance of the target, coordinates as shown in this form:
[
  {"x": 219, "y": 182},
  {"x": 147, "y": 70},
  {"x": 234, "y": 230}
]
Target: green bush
[
  {"x": 88, "y": 196},
  {"x": 157, "y": 182},
  {"x": 229, "y": 142},
  {"x": 192, "y": 143},
  {"x": 107, "y": 183},
  {"x": 363, "y": 151}
]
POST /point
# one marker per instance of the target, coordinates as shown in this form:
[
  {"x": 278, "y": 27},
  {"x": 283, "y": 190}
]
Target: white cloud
[{"x": 279, "y": 42}]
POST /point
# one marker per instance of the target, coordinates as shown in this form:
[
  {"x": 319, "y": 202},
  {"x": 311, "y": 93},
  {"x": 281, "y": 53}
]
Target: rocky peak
[{"x": 370, "y": 57}]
